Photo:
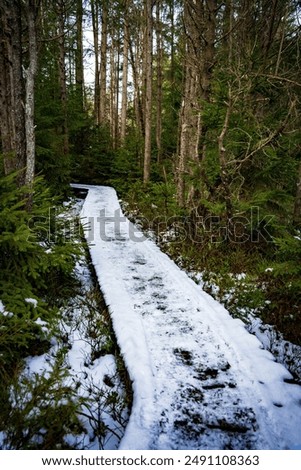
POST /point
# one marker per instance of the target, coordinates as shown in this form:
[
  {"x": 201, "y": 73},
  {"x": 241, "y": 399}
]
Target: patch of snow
[
  {"x": 43, "y": 325},
  {"x": 88, "y": 378},
  {"x": 4, "y": 312},
  {"x": 272, "y": 340},
  {"x": 241, "y": 276},
  {"x": 39, "y": 364},
  {"x": 31, "y": 301},
  {"x": 200, "y": 380},
  {"x": 298, "y": 235},
  {"x": 284, "y": 352}
]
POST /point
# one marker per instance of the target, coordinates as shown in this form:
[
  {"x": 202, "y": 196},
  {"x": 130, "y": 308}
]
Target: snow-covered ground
[
  {"x": 285, "y": 352},
  {"x": 91, "y": 375},
  {"x": 200, "y": 380}
]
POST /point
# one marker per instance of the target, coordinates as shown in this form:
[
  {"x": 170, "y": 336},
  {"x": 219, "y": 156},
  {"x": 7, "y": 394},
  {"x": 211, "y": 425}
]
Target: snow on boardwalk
[{"x": 200, "y": 380}]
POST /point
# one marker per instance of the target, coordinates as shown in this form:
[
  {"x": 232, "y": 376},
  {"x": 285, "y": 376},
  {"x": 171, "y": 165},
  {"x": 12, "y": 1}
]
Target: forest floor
[{"x": 200, "y": 379}]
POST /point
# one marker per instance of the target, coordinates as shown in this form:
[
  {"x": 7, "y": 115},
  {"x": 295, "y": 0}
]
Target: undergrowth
[
  {"x": 46, "y": 308},
  {"x": 253, "y": 266}
]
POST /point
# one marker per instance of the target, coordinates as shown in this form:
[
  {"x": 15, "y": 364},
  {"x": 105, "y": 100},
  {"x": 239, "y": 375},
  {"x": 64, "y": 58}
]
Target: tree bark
[
  {"x": 159, "y": 81},
  {"x": 148, "y": 91},
  {"x": 79, "y": 55},
  {"x": 190, "y": 120},
  {"x": 209, "y": 50},
  {"x": 113, "y": 105},
  {"x": 297, "y": 205},
  {"x": 12, "y": 92},
  {"x": 223, "y": 161},
  {"x": 103, "y": 63},
  {"x": 6, "y": 94},
  {"x": 62, "y": 73},
  {"x": 139, "y": 112},
  {"x": 95, "y": 26},
  {"x": 125, "y": 65},
  {"x": 30, "y": 97}
]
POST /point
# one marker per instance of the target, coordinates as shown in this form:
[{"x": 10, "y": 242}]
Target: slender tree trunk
[
  {"x": 189, "y": 131},
  {"x": 29, "y": 101},
  {"x": 223, "y": 161},
  {"x": 159, "y": 81},
  {"x": 19, "y": 92},
  {"x": 284, "y": 21},
  {"x": 79, "y": 56},
  {"x": 271, "y": 17},
  {"x": 190, "y": 119},
  {"x": 172, "y": 45},
  {"x": 209, "y": 50},
  {"x": 183, "y": 140},
  {"x": 125, "y": 64},
  {"x": 103, "y": 63},
  {"x": 148, "y": 92},
  {"x": 113, "y": 94},
  {"x": 62, "y": 73},
  {"x": 7, "y": 121},
  {"x": 297, "y": 206},
  {"x": 117, "y": 79},
  {"x": 95, "y": 26},
  {"x": 12, "y": 92},
  {"x": 137, "y": 92}
]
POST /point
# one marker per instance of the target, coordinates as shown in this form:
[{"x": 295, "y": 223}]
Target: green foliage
[
  {"x": 40, "y": 411},
  {"x": 288, "y": 264},
  {"x": 237, "y": 292},
  {"x": 156, "y": 202},
  {"x": 125, "y": 170},
  {"x": 93, "y": 157},
  {"x": 51, "y": 160},
  {"x": 28, "y": 257},
  {"x": 20, "y": 336},
  {"x": 33, "y": 271},
  {"x": 283, "y": 281}
]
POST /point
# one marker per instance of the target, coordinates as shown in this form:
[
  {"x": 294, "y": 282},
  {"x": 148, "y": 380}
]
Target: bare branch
[
  {"x": 266, "y": 141},
  {"x": 221, "y": 137},
  {"x": 279, "y": 78}
]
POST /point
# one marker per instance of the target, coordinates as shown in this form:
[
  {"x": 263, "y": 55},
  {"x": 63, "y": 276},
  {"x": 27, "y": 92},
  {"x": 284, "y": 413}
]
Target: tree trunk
[
  {"x": 113, "y": 94},
  {"x": 62, "y": 73},
  {"x": 137, "y": 94},
  {"x": 12, "y": 91},
  {"x": 172, "y": 45},
  {"x": 159, "y": 81},
  {"x": 272, "y": 12},
  {"x": 6, "y": 94},
  {"x": 117, "y": 79},
  {"x": 29, "y": 100},
  {"x": 79, "y": 56},
  {"x": 125, "y": 64},
  {"x": 209, "y": 51},
  {"x": 297, "y": 206},
  {"x": 189, "y": 130},
  {"x": 103, "y": 63},
  {"x": 190, "y": 120},
  {"x": 226, "y": 191},
  {"x": 95, "y": 26},
  {"x": 148, "y": 91}
]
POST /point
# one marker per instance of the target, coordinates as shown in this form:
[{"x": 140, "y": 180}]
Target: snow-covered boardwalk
[{"x": 200, "y": 380}]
